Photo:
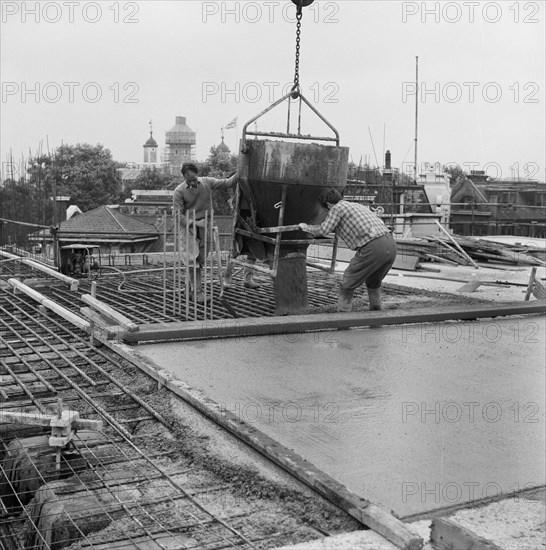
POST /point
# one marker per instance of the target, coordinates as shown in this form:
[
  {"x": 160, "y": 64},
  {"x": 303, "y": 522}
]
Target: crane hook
[{"x": 302, "y": 4}]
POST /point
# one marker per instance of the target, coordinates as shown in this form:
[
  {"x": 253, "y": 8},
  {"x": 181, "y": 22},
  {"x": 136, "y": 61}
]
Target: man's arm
[
  {"x": 224, "y": 183},
  {"x": 180, "y": 205},
  {"x": 327, "y": 226}
]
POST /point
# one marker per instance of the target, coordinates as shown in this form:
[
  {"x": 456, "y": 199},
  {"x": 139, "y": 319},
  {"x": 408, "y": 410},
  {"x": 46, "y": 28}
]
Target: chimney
[{"x": 181, "y": 120}]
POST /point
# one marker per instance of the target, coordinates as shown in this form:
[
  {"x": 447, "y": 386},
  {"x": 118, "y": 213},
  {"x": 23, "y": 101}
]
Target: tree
[
  {"x": 149, "y": 178},
  {"x": 18, "y": 201},
  {"x": 85, "y": 173},
  {"x": 455, "y": 174},
  {"x": 219, "y": 164}
]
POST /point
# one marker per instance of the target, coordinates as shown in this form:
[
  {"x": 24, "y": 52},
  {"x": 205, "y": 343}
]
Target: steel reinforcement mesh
[
  {"x": 100, "y": 490},
  {"x": 149, "y": 298}
]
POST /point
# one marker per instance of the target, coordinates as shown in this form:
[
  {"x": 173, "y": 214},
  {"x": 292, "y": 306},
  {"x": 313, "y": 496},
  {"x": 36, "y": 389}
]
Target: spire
[
  {"x": 222, "y": 146},
  {"x": 151, "y": 141}
]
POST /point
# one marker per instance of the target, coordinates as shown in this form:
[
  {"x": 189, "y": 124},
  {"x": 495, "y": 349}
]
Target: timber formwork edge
[{"x": 252, "y": 327}]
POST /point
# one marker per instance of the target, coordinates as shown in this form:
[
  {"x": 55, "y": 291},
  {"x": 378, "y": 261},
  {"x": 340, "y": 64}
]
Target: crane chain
[{"x": 296, "y": 87}]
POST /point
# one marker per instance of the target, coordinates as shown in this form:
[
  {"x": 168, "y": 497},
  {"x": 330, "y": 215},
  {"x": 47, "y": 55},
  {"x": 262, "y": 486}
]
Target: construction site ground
[{"x": 390, "y": 456}]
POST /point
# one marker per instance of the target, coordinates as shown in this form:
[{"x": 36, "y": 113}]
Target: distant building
[
  {"x": 179, "y": 148},
  {"x": 481, "y": 206},
  {"x": 180, "y": 145},
  {"x": 110, "y": 229},
  {"x": 129, "y": 175},
  {"x": 150, "y": 149},
  {"x": 222, "y": 147}
]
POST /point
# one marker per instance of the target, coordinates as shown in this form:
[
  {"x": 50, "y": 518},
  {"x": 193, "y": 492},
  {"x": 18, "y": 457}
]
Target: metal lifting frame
[{"x": 258, "y": 233}]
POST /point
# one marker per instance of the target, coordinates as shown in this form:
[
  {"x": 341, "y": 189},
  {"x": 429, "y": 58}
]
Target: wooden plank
[
  {"x": 278, "y": 229},
  {"x": 252, "y": 265},
  {"x": 531, "y": 284},
  {"x": 406, "y": 262},
  {"x": 322, "y": 267},
  {"x": 452, "y": 252},
  {"x": 363, "y": 510},
  {"x": 429, "y": 268},
  {"x": 435, "y": 258},
  {"x": 237, "y": 328},
  {"x": 37, "y": 282},
  {"x": 471, "y": 286},
  {"x": 110, "y": 313},
  {"x": 50, "y": 304},
  {"x": 73, "y": 283},
  {"x": 519, "y": 258},
  {"x": 100, "y": 326},
  {"x": 447, "y": 534},
  {"x": 539, "y": 289},
  {"x": 457, "y": 246},
  {"x": 38, "y": 419},
  {"x": 255, "y": 236}
]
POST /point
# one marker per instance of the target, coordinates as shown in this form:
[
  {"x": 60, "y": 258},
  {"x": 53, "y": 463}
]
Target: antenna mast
[{"x": 416, "y": 114}]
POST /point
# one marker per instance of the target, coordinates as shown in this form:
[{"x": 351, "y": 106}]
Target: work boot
[
  {"x": 374, "y": 294},
  {"x": 228, "y": 276},
  {"x": 344, "y": 300},
  {"x": 198, "y": 290},
  {"x": 249, "y": 280}
]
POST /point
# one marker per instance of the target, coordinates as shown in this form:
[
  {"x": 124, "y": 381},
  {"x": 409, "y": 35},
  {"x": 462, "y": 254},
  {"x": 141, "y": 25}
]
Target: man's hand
[{"x": 199, "y": 223}]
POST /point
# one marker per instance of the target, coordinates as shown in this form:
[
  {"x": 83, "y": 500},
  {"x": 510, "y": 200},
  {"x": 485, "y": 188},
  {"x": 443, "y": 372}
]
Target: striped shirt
[
  {"x": 355, "y": 223},
  {"x": 199, "y": 197}
]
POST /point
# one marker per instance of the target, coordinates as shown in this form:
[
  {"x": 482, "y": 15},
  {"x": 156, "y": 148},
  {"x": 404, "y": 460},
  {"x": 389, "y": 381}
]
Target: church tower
[
  {"x": 150, "y": 149},
  {"x": 222, "y": 147}
]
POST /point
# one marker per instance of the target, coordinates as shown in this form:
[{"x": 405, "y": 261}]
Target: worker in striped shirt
[{"x": 364, "y": 232}]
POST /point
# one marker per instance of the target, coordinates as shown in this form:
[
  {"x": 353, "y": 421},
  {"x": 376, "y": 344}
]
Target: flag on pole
[{"x": 231, "y": 124}]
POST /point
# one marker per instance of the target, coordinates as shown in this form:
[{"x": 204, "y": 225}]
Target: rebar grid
[
  {"x": 103, "y": 486},
  {"x": 15, "y": 268},
  {"x": 100, "y": 468},
  {"x": 141, "y": 299}
]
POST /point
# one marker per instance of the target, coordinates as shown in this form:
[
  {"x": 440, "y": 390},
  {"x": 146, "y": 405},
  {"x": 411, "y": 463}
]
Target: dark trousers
[{"x": 370, "y": 264}]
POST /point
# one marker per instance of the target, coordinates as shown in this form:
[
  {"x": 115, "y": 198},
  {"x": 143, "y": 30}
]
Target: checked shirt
[{"x": 355, "y": 223}]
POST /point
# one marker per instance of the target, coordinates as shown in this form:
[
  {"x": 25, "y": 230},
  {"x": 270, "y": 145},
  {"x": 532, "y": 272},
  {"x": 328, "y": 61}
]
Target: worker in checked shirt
[
  {"x": 364, "y": 232},
  {"x": 196, "y": 194}
]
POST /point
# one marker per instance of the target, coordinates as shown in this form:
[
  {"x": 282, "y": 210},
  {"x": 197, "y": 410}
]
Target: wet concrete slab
[{"x": 413, "y": 418}]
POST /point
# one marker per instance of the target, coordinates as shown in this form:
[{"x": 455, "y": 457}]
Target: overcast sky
[{"x": 98, "y": 72}]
